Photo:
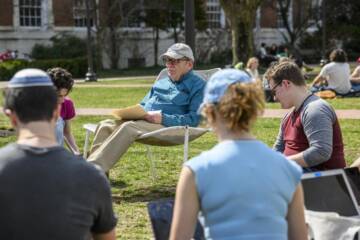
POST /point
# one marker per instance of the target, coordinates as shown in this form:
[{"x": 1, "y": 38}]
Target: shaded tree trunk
[
  {"x": 241, "y": 17},
  {"x": 114, "y": 48},
  {"x": 176, "y": 37},
  {"x": 156, "y": 46}
]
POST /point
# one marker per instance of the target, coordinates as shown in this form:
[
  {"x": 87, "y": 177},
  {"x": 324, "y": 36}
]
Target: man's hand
[{"x": 153, "y": 117}]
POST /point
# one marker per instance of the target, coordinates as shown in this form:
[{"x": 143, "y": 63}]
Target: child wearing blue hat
[{"x": 242, "y": 188}]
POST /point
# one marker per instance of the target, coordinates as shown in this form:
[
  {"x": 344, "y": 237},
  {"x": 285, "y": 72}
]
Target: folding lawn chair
[{"x": 170, "y": 136}]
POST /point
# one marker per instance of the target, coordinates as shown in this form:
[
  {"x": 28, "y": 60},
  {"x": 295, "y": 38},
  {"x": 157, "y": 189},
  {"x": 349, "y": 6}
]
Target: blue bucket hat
[
  {"x": 30, "y": 77},
  {"x": 219, "y": 82}
]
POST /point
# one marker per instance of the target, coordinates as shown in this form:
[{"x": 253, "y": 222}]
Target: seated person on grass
[
  {"x": 64, "y": 82},
  {"x": 310, "y": 133},
  {"x": 355, "y": 77},
  {"x": 172, "y": 101},
  {"x": 334, "y": 75},
  {"x": 47, "y": 192},
  {"x": 252, "y": 69}
]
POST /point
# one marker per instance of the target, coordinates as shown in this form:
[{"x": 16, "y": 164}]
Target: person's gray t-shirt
[{"x": 48, "y": 193}]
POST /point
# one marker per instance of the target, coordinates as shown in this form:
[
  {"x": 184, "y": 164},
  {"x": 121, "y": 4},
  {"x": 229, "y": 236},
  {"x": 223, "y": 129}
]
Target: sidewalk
[{"x": 269, "y": 113}]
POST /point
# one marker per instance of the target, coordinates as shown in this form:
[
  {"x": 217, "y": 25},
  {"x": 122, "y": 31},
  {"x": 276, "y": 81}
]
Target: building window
[
  {"x": 80, "y": 13},
  {"x": 134, "y": 20},
  {"x": 213, "y": 12},
  {"x": 133, "y": 14},
  {"x": 30, "y": 13}
]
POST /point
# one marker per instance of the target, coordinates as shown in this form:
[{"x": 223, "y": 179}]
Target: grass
[
  {"x": 117, "y": 97},
  {"x": 133, "y": 186},
  {"x": 144, "y": 71},
  {"x": 131, "y": 181},
  {"x": 137, "y": 80},
  {"x": 337, "y": 103}
]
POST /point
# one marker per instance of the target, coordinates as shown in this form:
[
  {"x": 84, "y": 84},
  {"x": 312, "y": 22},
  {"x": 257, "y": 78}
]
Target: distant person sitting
[
  {"x": 264, "y": 57},
  {"x": 252, "y": 68},
  {"x": 47, "y": 192},
  {"x": 334, "y": 75},
  {"x": 355, "y": 77},
  {"x": 241, "y": 187},
  {"x": 172, "y": 101},
  {"x": 310, "y": 133},
  {"x": 64, "y": 82},
  {"x": 283, "y": 52},
  {"x": 273, "y": 50}
]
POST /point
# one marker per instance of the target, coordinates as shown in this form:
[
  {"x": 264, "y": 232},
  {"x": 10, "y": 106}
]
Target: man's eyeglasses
[
  {"x": 173, "y": 61},
  {"x": 273, "y": 89}
]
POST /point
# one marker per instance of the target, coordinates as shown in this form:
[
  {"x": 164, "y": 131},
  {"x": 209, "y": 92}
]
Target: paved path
[{"x": 269, "y": 113}]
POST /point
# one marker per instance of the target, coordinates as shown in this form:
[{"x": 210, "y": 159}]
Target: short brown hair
[
  {"x": 285, "y": 70},
  {"x": 239, "y": 107},
  {"x": 338, "y": 55}
]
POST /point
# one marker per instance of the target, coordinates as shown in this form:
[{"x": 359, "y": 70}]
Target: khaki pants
[{"x": 113, "y": 138}]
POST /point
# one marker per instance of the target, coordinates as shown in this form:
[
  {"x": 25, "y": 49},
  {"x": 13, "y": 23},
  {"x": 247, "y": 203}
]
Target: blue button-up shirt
[{"x": 178, "y": 101}]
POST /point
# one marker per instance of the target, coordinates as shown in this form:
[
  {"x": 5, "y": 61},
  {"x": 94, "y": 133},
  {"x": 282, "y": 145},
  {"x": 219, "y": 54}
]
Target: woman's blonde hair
[
  {"x": 251, "y": 61},
  {"x": 239, "y": 107}
]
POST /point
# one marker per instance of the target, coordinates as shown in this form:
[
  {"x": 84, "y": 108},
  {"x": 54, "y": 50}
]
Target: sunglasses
[{"x": 173, "y": 61}]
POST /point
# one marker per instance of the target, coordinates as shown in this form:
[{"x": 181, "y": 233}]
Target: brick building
[{"x": 24, "y": 23}]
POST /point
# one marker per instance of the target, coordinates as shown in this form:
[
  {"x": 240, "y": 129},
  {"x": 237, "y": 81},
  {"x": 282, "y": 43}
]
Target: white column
[
  {"x": 16, "y": 15},
  {"x": 290, "y": 15},
  {"x": 48, "y": 10}
]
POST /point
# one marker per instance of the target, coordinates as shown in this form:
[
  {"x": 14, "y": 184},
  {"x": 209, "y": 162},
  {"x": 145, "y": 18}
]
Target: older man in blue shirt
[{"x": 172, "y": 101}]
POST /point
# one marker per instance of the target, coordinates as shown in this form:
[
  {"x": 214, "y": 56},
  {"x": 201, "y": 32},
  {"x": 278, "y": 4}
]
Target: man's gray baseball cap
[{"x": 178, "y": 51}]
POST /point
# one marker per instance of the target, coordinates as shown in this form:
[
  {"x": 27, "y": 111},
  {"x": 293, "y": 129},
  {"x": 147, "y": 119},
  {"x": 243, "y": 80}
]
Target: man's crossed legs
[{"x": 114, "y": 137}]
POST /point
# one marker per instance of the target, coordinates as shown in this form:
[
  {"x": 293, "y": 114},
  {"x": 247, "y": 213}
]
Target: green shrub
[
  {"x": 64, "y": 46},
  {"x": 222, "y": 57},
  {"x": 77, "y": 66},
  {"x": 8, "y": 68},
  {"x": 352, "y": 48}
]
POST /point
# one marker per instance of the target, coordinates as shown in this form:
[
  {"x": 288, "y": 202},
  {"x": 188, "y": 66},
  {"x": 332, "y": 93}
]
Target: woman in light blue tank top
[{"x": 241, "y": 187}]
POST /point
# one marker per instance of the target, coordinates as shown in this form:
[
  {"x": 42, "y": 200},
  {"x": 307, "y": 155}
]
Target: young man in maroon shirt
[{"x": 310, "y": 133}]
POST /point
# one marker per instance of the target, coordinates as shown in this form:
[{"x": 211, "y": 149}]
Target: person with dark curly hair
[
  {"x": 334, "y": 75},
  {"x": 64, "y": 82}
]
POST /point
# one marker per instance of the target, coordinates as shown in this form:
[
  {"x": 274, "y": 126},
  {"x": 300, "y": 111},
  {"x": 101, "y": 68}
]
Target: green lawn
[
  {"x": 101, "y": 97},
  {"x": 107, "y": 97},
  {"x": 114, "y": 97},
  {"x": 337, "y": 103},
  {"x": 132, "y": 184},
  {"x": 138, "y": 80}
]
